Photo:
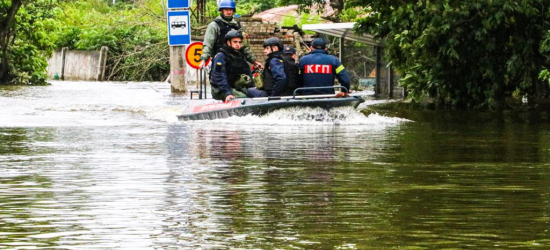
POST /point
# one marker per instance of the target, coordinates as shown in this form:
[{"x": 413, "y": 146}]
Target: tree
[
  {"x": 7, "y": 21},
  {"x": 464, "y": 53},
  {"x": 545, "y": 50},
  {"x": 260, "y": 5},
  {"x": 24, "y": 40}
]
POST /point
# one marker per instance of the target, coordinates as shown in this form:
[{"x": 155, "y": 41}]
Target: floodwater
[{"x": 98, "y": 165}]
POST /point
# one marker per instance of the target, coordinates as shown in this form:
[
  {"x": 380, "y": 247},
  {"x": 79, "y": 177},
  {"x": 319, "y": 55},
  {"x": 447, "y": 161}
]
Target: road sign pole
[
  {"x": 193, "y": 58},
  {"x": 177, "y": 69},
  {"x": 204, "y": 72},
  {"x": 200, "y": 84},
  {"x": 179, "y": 35}
]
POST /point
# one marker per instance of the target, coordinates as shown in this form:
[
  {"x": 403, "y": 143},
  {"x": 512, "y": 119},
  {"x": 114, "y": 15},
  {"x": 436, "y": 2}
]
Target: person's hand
[
  {"x": 229, "y": 98},
  {"x": 258, "y": 64},
  {"x": 342, "y": 94},
  {"x": 201, "y": 65}
]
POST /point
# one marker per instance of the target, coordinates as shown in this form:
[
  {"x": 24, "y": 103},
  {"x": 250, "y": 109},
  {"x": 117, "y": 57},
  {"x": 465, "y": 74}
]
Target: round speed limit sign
[{"x": 193, "y": 55}]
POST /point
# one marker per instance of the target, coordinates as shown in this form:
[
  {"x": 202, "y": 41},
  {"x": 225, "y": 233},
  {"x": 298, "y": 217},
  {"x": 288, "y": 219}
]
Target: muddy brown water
[{"x": 88, "y": 165}]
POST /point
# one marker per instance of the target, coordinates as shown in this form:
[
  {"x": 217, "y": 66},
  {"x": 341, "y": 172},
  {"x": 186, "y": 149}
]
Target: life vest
[
  {"x": 319, "y": 69},
  {"x": 235, "y": 64},
  {"x": 291, "y": 72},
  {"x": 224, "y": 28}
]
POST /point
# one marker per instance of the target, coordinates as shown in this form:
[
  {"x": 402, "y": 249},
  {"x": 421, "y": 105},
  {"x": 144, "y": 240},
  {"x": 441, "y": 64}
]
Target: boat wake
[{"x": 311, "y": 116}]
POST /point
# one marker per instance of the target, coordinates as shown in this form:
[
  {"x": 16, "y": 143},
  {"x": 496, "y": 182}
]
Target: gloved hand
[
  {"x": 342, "y": 94},
  {"x": 229, "y": 98},
  {"x": 258, "y": 64}
]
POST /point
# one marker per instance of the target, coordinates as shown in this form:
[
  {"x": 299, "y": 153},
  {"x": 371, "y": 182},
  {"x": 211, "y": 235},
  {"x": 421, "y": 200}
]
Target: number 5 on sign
[{"x": 193, "y": 55}]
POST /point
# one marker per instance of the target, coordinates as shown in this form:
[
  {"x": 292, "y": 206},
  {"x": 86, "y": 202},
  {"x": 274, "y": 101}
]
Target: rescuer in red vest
[{"x": 318, "y": 69}]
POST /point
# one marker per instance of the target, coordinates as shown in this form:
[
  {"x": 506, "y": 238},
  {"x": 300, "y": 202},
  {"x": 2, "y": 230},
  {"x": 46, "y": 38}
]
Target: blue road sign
[
  {"x": 179, "y": 30},
  {"x": 178, "y": 4}
]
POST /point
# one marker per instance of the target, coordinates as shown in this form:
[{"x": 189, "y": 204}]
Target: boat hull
[{"x": 211, "y": 109}]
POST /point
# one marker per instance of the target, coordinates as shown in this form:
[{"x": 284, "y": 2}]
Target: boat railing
[{"x": 342, "y": 88}]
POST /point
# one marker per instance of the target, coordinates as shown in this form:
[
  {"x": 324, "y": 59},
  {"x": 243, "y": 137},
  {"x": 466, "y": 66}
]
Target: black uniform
[
  {"x": 280, "y": 76},
  {"x": 228, "y": 65}
]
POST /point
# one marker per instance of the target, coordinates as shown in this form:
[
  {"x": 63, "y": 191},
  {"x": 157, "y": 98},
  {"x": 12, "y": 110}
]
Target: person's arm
[
  {"x": 247, "y": 51},
  {"x": 342, "y": 74},
  {"x": 219, "y": 75},
  {"x": 279, "y": 77},
  {"x": 210, "y": 37},
  {"x": 248, "y": 54}
]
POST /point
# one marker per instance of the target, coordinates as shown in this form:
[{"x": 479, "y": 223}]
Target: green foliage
[
  {"x": 465, "y": 53},
  {"x": 244, "y": 6},
  {"x": 545, "y": 75},
  {"x": 545, "y": 50},
  {"x": 30, "y": 42},
  {"x": 211, "y": 10},
  {"x": 134, "y": 33},
  {"x": 353, "y": 14},
  {"x": 304, "y": 18},
  {"x": 304, "y": 5}
]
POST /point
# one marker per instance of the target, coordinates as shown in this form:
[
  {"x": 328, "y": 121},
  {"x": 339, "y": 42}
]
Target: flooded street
[{"x": 97, "y": 165}]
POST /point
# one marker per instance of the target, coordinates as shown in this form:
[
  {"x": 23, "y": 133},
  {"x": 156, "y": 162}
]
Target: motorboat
[{"x": 210, "y": 109}]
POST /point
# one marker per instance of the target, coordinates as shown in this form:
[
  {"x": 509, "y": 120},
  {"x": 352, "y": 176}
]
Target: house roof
[{"x": 277, "y": 14}]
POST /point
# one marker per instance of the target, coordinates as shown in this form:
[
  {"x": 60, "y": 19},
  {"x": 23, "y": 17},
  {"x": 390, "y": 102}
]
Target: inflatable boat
[{"x": 210, "y": 109}]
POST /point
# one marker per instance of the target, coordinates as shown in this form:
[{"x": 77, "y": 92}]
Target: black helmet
[
  {"x": 290, "y": 50},
  {"x": 273, "y": 41},
  {"x": 233, "y": 34}
]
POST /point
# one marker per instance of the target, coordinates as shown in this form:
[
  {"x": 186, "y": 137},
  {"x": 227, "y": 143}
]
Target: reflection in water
[{"x": 448, "y": 180}]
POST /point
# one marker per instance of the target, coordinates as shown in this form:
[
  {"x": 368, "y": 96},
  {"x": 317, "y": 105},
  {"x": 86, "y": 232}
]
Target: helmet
[
  {"x": 233, "y": 34},
  {"x": 290, "y": 50},
  {"x": 227, "y": 4},
  {"x": 273, "y": 41},
  {"x": 319, "y": 43}
]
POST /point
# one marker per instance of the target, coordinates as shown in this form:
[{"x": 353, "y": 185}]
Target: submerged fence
[{"x": 78, "y": 65}]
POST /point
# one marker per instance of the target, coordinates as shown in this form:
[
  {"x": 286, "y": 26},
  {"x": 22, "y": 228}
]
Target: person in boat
[
  {"x": 230, "y": 76},
  {"x": 318, "y": 69},
  {"x": 290, "y": 52},
  {"x": 280, "y": 75},
  {"x": 216, "y": 31}
]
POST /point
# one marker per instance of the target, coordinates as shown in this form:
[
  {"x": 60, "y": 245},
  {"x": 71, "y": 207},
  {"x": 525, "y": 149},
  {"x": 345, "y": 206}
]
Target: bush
[
  {"x": 29, "y": 43},
  {"x": 464, "y": 53},
  {"x": 135, "y": 34}
]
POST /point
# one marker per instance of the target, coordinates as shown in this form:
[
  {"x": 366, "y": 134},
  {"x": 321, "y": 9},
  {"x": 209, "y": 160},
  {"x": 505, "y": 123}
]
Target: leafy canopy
[
  {"x": 466, "y": 53},
  {"x": 134, "y": 31},
  {"x": 26, "y": 41}
]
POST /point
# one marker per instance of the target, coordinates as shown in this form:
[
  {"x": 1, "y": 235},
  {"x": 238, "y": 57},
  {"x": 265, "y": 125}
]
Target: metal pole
[
  {"x": 378, "y": 88},
  {"x": 390, "y": 82},
  {"x": 200, "y": 84},
  {"x": 341, "y": 43},
  {"x": 205, "y": 84},
  {"x": 341, "y": 48}
]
